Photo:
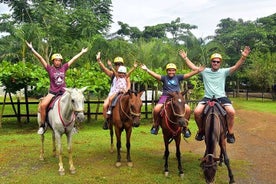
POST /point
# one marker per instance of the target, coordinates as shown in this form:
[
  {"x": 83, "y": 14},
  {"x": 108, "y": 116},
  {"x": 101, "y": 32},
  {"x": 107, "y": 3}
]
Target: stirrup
[{"x": 105, "y": 125}]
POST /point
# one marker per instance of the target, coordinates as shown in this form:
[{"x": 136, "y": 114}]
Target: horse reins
[
  {"x": 168, "y": 119},
  {"x": 60, "y": 116},
  {"x": 131, "y": 112}
]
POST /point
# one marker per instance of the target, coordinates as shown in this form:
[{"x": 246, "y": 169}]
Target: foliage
[{"x": 16, "y": 76}]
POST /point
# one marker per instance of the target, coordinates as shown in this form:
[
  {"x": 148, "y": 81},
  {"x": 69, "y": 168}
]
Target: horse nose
[
  {"x": 80, "y": 117},
  {"x": 182, "y": 122},
  {"x": 136, "y": 122}
]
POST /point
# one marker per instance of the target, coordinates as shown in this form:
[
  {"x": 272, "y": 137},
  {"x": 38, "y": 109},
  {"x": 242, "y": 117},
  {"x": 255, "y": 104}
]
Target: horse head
[
  {"x": 135, "y": 104},
  {"x": 209, "y": 166},
  {"x": 77, "y": 101},
  {"x": 177, "y": 103}
]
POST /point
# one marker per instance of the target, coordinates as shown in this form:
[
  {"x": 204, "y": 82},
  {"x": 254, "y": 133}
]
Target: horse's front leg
[
  {"x": 178, "y": 155},
  {"x": 54, "y": 151},
  {"x": 166, "y": 156},
  {"x": 227, "y": 161},
  {"x": 128, "y": 135},
  {"x": 41, "y": 156},
  {"x": 118, "y": 133},
  {"x": 69, "y": 148},
  {"x": 59, "y": 152}
]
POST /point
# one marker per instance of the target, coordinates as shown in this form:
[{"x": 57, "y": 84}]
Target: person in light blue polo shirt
[{"x": 214, "y": 85}]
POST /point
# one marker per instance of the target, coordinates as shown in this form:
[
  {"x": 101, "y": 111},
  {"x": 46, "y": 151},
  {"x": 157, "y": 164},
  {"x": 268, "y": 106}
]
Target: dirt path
[{"x": 255, "y": 143}]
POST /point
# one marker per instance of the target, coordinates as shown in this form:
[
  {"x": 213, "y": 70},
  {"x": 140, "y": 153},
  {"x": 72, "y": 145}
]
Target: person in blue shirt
[
  {"x": 214, "y": 85},
  {"x": 171, "y": 83}
]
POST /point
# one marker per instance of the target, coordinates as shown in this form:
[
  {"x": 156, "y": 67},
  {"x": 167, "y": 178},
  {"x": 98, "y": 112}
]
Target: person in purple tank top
[
  {"x": 57, "y": 73},
  {"x": 171, "y": 83}
]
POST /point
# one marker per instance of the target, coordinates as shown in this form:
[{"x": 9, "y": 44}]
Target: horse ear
[
  {"x": 184, "y": 92},
  {"x": 83, "y": 89},
  {"x": 140, "y": 93},
  {"x": 68, "y": 89}
]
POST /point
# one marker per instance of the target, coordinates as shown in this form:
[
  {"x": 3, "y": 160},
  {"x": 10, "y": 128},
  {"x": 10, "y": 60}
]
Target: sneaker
[
  {"x": 105, "y": 125},
  {"x": 230, "y": 138},
  {"x": 74, "y": 131},
  {"x": 199, "y": 136},
  {"x": 109, "y": 112},
  {"x": 41, "y": 130},
  {"x": 186, "y": 133},
  {"x": 154, "y": 131}
]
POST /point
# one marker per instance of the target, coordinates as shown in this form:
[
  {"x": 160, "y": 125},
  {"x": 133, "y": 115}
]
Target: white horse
[{"x": 61, "y": 118}]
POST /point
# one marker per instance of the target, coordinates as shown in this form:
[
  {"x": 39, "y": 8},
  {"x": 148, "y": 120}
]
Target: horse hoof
[
  {"x": 118, "y": 164},
  {"x": 41, "y": 158},
  {"x": 181, "y": 175},
  {"x": 166, "y": 173},
  {"x": 61, "y": 173},
  {"x": 130, "y": 164},
  {"x": 73, "y": 171}
]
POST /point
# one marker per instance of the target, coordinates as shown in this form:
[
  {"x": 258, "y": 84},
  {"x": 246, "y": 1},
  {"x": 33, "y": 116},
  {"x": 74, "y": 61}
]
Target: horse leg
[
  {"x": 59, "y": 152},
  {"x": 54, "y": 151},
  {"x": 166, "y": 156},
  {"x": 69, "y": 148},
  {"x": 128, "y": 135},
  {"x": 178, "y": 156},
  {"x": 118, "y": 146},
  {"x": 111, "y": 138},
  {"x": 41, "y": 156},
  {"x": 227, "y": 162}
]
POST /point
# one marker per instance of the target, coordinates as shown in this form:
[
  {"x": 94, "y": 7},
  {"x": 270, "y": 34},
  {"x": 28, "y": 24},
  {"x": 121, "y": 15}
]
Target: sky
[{"x": 205, "y": 14}]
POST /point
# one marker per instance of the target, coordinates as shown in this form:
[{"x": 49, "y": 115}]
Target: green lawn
[{"x": 19, "y": 155}]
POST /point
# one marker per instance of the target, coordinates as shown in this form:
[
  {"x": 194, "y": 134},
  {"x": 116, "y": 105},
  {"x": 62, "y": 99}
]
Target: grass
[{"x": 19, "y": 155}]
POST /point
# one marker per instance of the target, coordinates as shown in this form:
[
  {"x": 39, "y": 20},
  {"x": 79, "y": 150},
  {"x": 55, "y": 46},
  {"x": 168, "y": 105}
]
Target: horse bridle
[
  {"x": 131, "y": 112},
  {"x": 212, "y": 164},
  {"x": 174, "y": 113}
]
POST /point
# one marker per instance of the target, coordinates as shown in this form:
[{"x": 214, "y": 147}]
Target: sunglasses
[
  {"x": 118, "y": 64},
  {"x": 217, "y": 62}
]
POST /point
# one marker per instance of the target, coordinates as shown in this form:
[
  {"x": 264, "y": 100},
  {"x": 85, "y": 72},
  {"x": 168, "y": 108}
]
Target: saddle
[
  {"x": 52, "y": 102},
  {"x": 114, "y": 101},
  {"x": 215, "y": 103}
]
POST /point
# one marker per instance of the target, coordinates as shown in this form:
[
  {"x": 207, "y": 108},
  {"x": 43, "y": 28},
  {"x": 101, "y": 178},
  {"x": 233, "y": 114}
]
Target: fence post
[{"x": 18, "y": 111}]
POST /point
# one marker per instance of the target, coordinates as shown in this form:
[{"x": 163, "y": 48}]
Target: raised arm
[
  {"x": 244, "y": 54},
  {"x": 40, "y": 58},
  {"x": 194, "y": 72},
  {"x": 83, "y": 50},
  {"x": 190, "y": 64},
  {"x": 132, "y": 69},
  {"x": 105, "y": 70},
  {"x": 155, "y": 75}
]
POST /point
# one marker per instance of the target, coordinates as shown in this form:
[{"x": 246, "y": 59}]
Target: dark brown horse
[
  {"x": 125, "y": 115},
  {"x": 214, "y": 120},
  {"x": 173, "y": 118}
]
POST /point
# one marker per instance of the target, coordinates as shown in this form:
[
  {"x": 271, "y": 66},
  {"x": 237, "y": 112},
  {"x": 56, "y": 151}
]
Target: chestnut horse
[
  {"x": 173, "y": 118},
  {"x": 125, "y": 114},
  {"x": 214, "y": 120}
]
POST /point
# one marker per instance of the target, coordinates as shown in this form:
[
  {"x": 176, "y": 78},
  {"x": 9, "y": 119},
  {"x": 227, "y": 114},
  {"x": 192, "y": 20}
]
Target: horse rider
[
  {"x": 56, "y": 73},
  {"x": 112, "y": 72},
  {"x": 171, "y": 83},
  {"x": 214, "y": 85}
]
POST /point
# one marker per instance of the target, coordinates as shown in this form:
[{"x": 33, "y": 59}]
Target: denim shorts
[{"x": 224, "y": 100}]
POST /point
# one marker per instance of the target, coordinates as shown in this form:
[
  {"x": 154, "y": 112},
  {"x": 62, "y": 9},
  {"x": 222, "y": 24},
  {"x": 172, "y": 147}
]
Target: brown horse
[
  {"x": 214, "y": 120},
  {"x": 173, "y": 118},
  {"x": 125, "y": 114}
]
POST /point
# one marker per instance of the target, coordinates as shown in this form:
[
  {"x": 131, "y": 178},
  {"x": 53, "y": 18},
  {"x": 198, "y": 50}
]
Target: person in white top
[{"x": 110, "y": 71}]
